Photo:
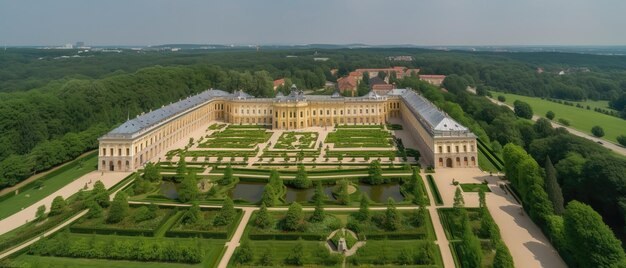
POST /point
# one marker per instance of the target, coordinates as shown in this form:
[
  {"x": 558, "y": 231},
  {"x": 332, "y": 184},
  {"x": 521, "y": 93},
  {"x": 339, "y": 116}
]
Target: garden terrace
[
  {"x": 236, "y": 137},
  {"x": 296, "y": 140},
  {"x": 358, "y": 138},
  {"x": 131, "y": 225},
  {"x": 204, "y": 227},
  {"x": 453, "y": 229},
  {"x": 313, "y": 231},
  {"x": 286, "y": 174},
  {"x": 387, "y": 253}
]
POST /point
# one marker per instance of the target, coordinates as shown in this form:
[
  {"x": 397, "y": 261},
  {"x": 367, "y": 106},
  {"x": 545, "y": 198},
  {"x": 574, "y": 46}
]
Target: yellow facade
[{"x": 128, "y": 152}]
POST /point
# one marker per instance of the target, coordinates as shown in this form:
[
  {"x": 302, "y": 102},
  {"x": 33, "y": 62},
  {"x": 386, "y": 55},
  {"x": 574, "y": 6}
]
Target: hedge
[
  {"x": 435, "y": 190},
  {"x": 288, "y": 236},
  {"x": 202, "y": 234},
  {"x": 395, "y": 236},
  {"x": 111, "y": 231}
]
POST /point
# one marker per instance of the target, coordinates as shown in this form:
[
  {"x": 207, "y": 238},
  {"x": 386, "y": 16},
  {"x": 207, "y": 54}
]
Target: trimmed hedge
[
  {"x": 201, "y": 234},
  {"x": 111, "y": 231},
  {"x": 288, "y": 236},
  {"x": 435, "y": 190},
  {"x": 396, "y": 236}
]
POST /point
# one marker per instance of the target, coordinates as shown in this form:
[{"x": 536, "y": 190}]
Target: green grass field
[
  {"x": 44, "y": 262},
  {"x": 579, "y": 118},
  {"x": 50, "y": 185}
]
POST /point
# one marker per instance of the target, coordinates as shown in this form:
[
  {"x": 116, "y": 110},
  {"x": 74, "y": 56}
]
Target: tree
[
  {"x": 486, "y": 223},
  {"x": 58, "y": 206},
  {"x": 267, "y": 259},
  {"x": 188, "y": 189},
  {"x": 100, "y": 195},
  {"x": 418, "y": 190},
  {"x": 296, "y": 255},
  {"x": 245, "y": 254},
  {"x": 95, "y": 210},
  {"x": 344, "y": 196},
  {"x": 263, "y": 219},
  {"x": 459, "y": 202},
  {"x": 501, "y": 98},
  {"x": 591, "y": 242},
  {"x": 472, "y": 253},
  {"x": 552, "y": 187},
  {"x": 482, "y": 202},
  {"x": 318, "y": 213},
  {"x": 228, "y": 175},
  {"x": 192, "y": 215},
  {"x": 375, "y": 174},
  {"x": 392, "y": 217},
  {"x": 151, "y": 172},
  {"x": 275, "y": 180},
  {"x": 302, "y": 181},
  {"x": 181, "y": 169},
  {"x": 41, "y": 212},
  {"x": 550, "y": 115},
  {"x": 318, "y": 195},
  {"x": 503, "y": 258},
  {"x": 364, "y": 208},
  {"x": 269, "y": 197},
  {"x": 119, "y": 208},
  {"x": 597, "y": 131},
  {"x": 622, "y": 140},
  {"x": 419, "y": 216},
  {"x": 226, "y": 214},
  {"x": 294, "y": 217},
  {"x": 522, "y": 109}
]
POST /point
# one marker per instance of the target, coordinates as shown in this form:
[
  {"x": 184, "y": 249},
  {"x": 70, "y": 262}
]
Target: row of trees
[{"x": 579, "y": 234}]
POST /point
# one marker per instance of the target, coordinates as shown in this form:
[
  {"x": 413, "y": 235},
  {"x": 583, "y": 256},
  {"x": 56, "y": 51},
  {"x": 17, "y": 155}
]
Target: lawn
[
  {"x": 474, "y": 187},
  {"x": 385, "y": 253},
  {"x": 358, "y": 138},
  {"x": 51, "y": 182},
  {"x": 484, "y": 163},
  {"x": 313, "y": 251},
  {"x": 579, "y": 118}
]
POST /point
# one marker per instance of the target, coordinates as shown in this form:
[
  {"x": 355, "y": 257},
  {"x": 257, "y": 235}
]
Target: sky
[{"x": 374, "y": 22}]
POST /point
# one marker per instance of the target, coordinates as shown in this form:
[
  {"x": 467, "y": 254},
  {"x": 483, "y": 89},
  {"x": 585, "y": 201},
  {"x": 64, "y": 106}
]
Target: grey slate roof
[
  {"x": 433, "y": 119},
  {"x": 429, "y": 114},
  {"x": 152, "y": 118}
]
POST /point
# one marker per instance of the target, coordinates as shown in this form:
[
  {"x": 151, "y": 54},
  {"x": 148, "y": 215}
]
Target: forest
[{"x": 52, "y": 110}]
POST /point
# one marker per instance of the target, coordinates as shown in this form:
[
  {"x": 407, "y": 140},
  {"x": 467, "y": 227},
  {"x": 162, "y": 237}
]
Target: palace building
[{"x": 443, "y": 141}]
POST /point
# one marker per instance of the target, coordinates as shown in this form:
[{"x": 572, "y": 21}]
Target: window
[
  {"x": 440, "y": 149},
  {"x": 119, "y": 151},
  {"x": 111, "y": 150},
  {"x": 104, "y": 151},
  {"x": 301, "y": 114},
  {"x": 456, "y": 148},
  {"x": 448, "y": 149},
  {"x": 464, "y": 148}
]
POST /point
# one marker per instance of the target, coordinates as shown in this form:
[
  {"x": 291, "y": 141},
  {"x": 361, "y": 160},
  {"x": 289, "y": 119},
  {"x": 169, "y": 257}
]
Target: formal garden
[
  {"x": 359, "y": 138},
  {"x": 296, "y": 140},
  {"x": 236, "y": 136}
]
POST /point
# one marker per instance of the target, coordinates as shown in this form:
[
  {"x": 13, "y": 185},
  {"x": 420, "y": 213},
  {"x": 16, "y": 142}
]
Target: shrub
[
  {"x": 550, "y": 115},
  {"x": 119, "y": 208},
  {"x": 58, "y": 206},
  {"x": 564, "y": 122},
  {"x": 244, "y": 253},
  {"x": 294, "y": 218},
  {"x": 226, "y": 214},
  {"x": 41, "y": 212},
  {"x": 621, "y": 139},
  {"x": 142, "y": 214},
  {"x": 501, "y": 98},
  {"x": 296, "y": 255},
  {"x": 597, "y": 131}
]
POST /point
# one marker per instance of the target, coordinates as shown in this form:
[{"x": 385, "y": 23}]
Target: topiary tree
[
  {"x": 318, "y": 195},
  {"x": 343, "y": 196},
  {"x": 597, "y": 131},
  {"x": 318, "y": 213},
  {"x": 459, "y": 202},
  {"x": 482, "y": 202},
  {"x": 119, "y": 208},
  {"x": 269, "y": 197},
  {"x": 294, "y": 217},
  {"x": 228, "y": 175},
  {"x": 550, "y": 115},
  {"x": 263, "y": 219},
  {"x": 503, "y": 258},
  {"x": 392, "y": 217},
  {"x": 245, "y": 254},
  {"x": 375, "y": 173},
  {"x": 275, "y": 180},
  {"x": 364, "y": 209},
  {"x": 226, "y": 214},
  {"x": 188, "y": 189},
  {"x": 590, "y": 241},
  {"x": 302, "y": 181},
  {"x": 58, "y": 206}
]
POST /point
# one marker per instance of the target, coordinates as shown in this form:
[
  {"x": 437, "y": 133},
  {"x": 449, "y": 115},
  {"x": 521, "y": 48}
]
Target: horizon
[{"x": 282, "y": 22}]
